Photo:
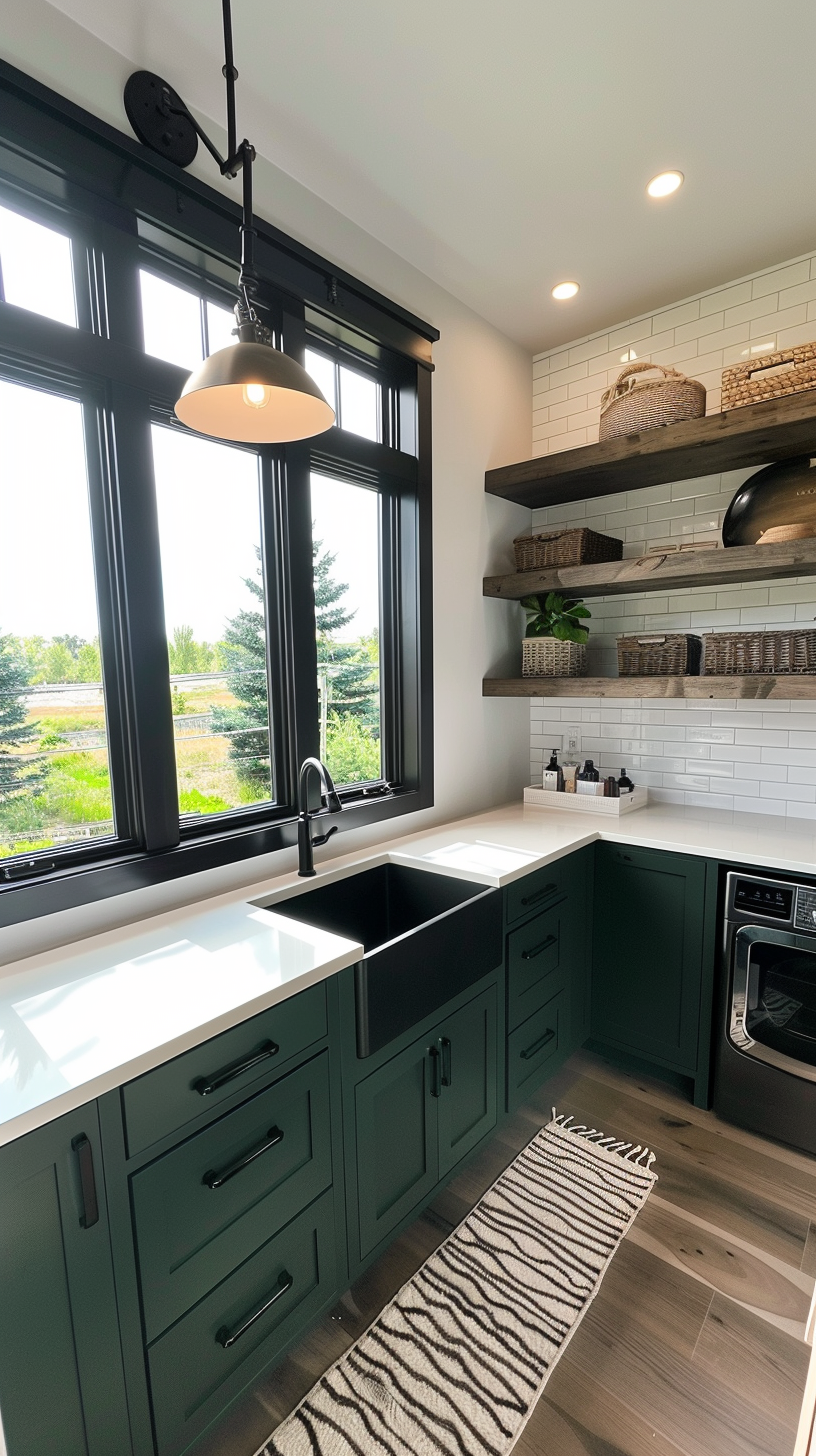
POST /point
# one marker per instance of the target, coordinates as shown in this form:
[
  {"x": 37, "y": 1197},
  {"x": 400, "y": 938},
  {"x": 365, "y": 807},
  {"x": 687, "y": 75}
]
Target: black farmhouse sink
[{"x": 426, "y": 937}]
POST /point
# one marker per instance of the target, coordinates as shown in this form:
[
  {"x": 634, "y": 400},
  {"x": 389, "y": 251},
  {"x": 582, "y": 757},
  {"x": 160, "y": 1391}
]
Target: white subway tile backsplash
[{"x": 742, "y": 755}]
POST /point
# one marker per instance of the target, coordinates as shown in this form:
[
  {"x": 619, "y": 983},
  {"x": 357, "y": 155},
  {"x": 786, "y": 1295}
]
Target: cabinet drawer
[
  {"x": 537, "y": 891},
  {"x": 534, "y": 954},
  {"x": 223, "y": 1344},
  {"x": 531, "y": 1047},
  {"x": 204, "y": 1208},
  {"x": 164, "y": 1100}
]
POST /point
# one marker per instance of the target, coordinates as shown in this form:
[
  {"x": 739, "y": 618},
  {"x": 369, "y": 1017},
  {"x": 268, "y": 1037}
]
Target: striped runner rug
[{"x": 454, "y": 1365}]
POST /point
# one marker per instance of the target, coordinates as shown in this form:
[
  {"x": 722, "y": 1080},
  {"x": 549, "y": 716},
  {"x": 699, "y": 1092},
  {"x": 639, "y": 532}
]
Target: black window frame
[{"x": 126, "y": 209}]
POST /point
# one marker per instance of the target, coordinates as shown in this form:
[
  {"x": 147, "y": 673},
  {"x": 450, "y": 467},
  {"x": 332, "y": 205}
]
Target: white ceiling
[{"x": 501, "y": 147}]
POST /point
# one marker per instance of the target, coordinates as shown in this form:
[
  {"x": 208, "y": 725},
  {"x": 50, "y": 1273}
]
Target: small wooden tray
[{"x": 587, "y": 803}]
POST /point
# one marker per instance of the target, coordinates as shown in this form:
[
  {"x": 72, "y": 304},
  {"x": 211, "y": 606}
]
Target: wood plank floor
[{"x": 694, "y": 1345}]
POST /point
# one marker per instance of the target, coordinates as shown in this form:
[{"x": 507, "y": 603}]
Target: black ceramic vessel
[{"x": 779, "y": 495}]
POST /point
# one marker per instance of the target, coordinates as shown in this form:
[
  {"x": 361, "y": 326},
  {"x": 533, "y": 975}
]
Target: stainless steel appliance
[{"x": 765, "y": 1070}]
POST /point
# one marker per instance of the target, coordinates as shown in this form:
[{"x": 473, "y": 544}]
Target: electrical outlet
[{"x": 572, "y": 740}]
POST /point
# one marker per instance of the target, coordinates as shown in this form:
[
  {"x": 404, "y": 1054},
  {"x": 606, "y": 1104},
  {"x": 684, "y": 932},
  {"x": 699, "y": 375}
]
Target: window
[
  {"x": 346, "y": 550},
  {"x": 55, "y": 786},
  {"x": 210, "y": 532},
  {"x": 183, "y": 621},
  {"x": 36, "y": 270}
]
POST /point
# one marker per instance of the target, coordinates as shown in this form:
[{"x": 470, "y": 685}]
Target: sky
[{"x": 209, "y": 526}]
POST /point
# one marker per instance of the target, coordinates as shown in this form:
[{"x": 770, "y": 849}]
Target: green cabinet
[
  {"x": 647, "y": 972},
  {"x": 61, "y": 1379},
  {"x": 420, "y": 1113}
]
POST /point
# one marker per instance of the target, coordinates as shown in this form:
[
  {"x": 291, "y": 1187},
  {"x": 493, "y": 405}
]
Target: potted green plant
[{"x": 555, "y": 638}]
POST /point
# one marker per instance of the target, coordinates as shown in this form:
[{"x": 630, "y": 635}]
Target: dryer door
[{"x": 773, "y": 998}]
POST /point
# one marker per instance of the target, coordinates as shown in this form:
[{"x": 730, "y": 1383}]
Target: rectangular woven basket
[
  {"x": 577, "y": 547},
  {"x": 547, "y": 657},
  {"x": 675, "y": 654},
  {"x": 753, "y": 381},
  {"x": 732, "y": 654}
]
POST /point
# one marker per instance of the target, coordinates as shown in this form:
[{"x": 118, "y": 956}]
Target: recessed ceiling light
[
  {"x": 664, "y": 184},
  {"x": 565, "y": 290}
]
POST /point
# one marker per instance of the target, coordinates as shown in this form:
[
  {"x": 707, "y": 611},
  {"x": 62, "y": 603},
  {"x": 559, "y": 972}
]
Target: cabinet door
[
  {"x": 647, "y": 958},
  {"x": 61, "y": 1379},
  {"x": 468, "y": 1079},
  {"x": 396, "y": 1127}
]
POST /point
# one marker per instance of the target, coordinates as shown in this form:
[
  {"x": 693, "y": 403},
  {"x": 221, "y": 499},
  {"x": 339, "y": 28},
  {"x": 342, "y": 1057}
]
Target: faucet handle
[{"x": 323, "y": 837}]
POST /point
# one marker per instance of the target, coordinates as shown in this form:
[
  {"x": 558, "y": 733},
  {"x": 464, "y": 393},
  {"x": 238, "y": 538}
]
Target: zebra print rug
[{"x": 454, "y": 1365}]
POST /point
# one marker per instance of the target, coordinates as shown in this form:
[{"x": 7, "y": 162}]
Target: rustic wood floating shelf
[
  {"x": 788, "y": 685},
  {"x": 672, "y": 571},
  {"x": 754, "y": 435}
]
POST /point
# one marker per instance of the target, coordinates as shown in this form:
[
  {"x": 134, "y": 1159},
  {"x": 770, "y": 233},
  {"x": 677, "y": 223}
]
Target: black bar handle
[
  {"x": 87, "y": 1181},
  {"x": 539, "y": 895},
  {"x": 537, "y": 1045},
  {"x": 436, "y": 1083},
  {"x": 205, "y": 1085},
  {"x": 217, "y": 1180},
  {"x": 537, "y": 950},
  {"x": 227, "y": 1337},
  {"x": 447, "y": 1061}
]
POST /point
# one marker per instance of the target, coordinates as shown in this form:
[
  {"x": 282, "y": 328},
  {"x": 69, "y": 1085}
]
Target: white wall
[
  {"x": 741, "y": 755},
  {"x": 481, "y": 418}
]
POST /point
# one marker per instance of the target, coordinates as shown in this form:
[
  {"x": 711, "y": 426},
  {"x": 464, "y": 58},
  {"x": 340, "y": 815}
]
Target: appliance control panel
[
  {"x": 765, "y": 899},
  {"x": 806, "y": 908}
]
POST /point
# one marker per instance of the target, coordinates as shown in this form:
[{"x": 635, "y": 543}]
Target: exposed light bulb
[
  {"x": 565, "y": 290},
  {"x": 257, "y": 395},
  {"x": 664, "y": 184}
]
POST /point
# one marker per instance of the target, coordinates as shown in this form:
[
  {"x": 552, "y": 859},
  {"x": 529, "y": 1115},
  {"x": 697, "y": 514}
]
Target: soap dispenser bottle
[
  {"x": 553, "y": 778},
  {"x": 625, "y": 785}
]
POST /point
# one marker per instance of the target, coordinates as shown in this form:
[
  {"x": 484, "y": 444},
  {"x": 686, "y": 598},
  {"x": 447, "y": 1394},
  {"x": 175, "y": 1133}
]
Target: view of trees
[{"x": 54, "y": 775}]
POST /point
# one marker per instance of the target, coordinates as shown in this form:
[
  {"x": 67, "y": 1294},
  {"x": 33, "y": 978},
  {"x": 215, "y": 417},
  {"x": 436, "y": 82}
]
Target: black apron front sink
[{"x": 426, "y": 937}]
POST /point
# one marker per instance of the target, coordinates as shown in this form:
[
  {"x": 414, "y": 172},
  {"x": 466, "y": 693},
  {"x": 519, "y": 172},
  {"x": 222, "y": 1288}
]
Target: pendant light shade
[{"x": 255, "y": 394}]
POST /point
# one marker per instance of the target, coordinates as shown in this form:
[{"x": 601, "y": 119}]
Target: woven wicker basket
[
  {"x": 565, "y": 548},
  {"x": 758, "y": 379},
  {"x": 728, "y": 654},
  {"x": 672, "y": 655},
  {"x": 633, "y": 404},
  {"x": 548, "y": 657}
]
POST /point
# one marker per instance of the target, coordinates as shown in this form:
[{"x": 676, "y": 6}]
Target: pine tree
[
  {"x": 243, "y": 652},
  {"x": 16, "y": 777}
]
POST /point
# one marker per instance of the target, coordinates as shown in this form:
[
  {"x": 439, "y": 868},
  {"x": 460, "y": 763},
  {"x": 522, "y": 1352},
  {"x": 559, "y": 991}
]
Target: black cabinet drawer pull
[
  {"x": 537, "y": 950},
  {"x": 226, "y": 1337},
  {"x": 436, "y": 1081},
  {"x": 447, "y": 1061},
  {"x": 217, "y": 1180},
  {"x": 537, "y": 1045},
  {"x": 539, "y": 895},
  {"x": 205, "y": 1085},
  {"x": 87, "y": 1181}
]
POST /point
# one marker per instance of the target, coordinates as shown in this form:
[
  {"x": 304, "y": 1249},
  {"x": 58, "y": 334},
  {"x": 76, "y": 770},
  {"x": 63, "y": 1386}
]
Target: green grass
[{"x": 192, "y": 801}]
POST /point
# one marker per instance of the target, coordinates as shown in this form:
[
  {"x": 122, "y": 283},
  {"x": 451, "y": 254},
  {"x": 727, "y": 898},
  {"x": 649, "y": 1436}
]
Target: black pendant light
[{"x": 249, "y": 391}]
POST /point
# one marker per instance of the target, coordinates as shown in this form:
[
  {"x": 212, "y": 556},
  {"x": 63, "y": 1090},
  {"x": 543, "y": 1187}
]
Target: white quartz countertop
[{"x": 77, "y": 1022}]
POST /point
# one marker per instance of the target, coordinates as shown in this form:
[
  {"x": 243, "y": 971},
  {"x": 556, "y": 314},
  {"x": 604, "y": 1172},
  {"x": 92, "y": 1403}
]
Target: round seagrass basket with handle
[{"x": 632, "y": 404}]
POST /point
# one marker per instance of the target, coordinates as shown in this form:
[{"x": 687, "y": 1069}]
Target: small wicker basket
[
  {"x": 675, "y": 654},
  {"x": 549, "y": 657},
  {"x": 633, "y": 404},
  {"x": 565, "y": 548},
  {"x": 733, "y": 654},
  {"x": 788, "y": 371}
]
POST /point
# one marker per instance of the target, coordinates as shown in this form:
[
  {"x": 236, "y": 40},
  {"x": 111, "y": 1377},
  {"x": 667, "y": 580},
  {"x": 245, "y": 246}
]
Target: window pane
[
  {"x": 322, "y": 372},
  {"x": 220, "y": 324},
  {"x": 346, "y": 553},
  {"x": 36, "y": 267},
  {"x": 359, "y": 404},
  {"x": 54, "y": 775},
  {"x": 210, "y": 534},
  {"x": 171, "y": 318}
]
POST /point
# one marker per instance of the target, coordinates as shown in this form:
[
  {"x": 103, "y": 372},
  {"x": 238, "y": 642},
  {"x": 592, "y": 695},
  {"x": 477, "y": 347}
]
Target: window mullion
[
  {"x": 151, "y": 720},
  {"x": 279, "y": 693}
]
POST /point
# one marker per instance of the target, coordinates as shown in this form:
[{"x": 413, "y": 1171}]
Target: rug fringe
[{"x": 633, "y": 1154}]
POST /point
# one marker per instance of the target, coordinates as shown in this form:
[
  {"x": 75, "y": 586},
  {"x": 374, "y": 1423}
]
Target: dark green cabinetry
[
  {"x": 61, "y": 1380},
  {"x": 650, "y": 973},
  {"x": 421, "y": 1113}
]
